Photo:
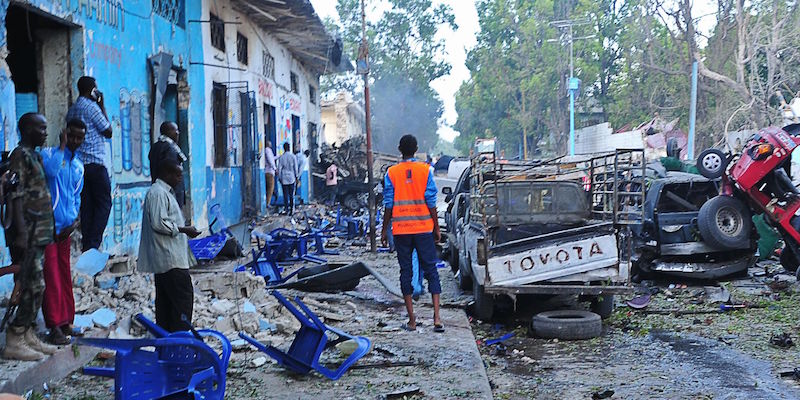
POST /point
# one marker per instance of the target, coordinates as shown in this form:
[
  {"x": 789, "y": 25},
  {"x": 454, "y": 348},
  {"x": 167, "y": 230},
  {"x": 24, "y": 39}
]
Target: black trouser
[
  {"x": 288, "y": 197},
  {"x": 174, "y": 299},
  {"x": 95, "y": 205}
]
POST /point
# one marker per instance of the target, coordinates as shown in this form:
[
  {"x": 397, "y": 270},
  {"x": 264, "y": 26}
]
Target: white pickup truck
[{"x": 537, "y": 237}]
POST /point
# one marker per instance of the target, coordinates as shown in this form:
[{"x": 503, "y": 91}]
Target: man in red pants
[{"x": 64, "y": 174}]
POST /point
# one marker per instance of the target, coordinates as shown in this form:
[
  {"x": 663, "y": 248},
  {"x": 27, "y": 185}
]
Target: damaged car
[{"x": 669, "y": 240}]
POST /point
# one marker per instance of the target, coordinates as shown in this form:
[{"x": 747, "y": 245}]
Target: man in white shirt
[
  {"x": 269, "y": 170},
  {"x": 288, "y": 173}
]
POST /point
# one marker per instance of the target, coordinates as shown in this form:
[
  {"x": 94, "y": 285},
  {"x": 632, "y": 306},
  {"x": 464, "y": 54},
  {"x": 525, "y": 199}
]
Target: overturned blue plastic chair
[
  {"x": 208, "y": 248},
  {"x": 309, "y": 343},
  {"x": 182, "y": 366},
  {"x": 272, "y": 248}
]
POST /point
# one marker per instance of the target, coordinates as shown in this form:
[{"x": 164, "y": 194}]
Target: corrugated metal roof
[{"x": 298, "y": 27}]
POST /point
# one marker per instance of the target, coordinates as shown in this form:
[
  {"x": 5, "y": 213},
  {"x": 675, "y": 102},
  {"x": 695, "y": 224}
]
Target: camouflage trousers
[{"x": 32, "y": 284}]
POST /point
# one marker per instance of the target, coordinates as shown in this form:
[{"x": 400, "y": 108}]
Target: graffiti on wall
[
  {"x": 104, "y": 53},
  {"x": 126, "y": 214},
  {"x": 106, "y": 12},
  {"x": 265, "y": 89},
  {"x": 134, "y": 126}
]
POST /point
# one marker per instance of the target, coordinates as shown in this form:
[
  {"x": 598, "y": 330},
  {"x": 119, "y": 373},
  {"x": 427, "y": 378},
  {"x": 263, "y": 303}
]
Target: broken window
[
  {"x": 217, "y": 32},
  {"x": 171, "y": 10},
  {"x": 268, "y": 65},
  {"x": 312, "y": 94},
  {"x": 685, "y": 196},
  {"x": 219, "y": 111},
  {"x": 295, "y": 85},
  {"x": 241, "y": 48}
]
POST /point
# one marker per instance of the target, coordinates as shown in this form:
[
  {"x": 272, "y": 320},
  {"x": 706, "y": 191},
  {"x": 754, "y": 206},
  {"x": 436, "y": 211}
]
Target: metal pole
[
  {"x": 571, "y": 67},
  {"x": 571, "y": 122},
  {"x": 571, "y": 98},
  {"x": 692, "y": 112},
  {"x": 370, "y": 178}
]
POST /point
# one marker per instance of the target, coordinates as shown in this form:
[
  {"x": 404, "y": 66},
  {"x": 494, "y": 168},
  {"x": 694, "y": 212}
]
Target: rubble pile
[{"x": 224, "y": 301}]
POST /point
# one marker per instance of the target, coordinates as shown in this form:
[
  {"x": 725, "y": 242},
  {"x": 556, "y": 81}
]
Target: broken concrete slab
[
  {"x": 91, "y": 262},
  {"x": 104, "y": 317}
]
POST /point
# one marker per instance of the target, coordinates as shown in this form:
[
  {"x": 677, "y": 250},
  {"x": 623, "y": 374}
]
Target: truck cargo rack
[{"x": 614, "y": 180}]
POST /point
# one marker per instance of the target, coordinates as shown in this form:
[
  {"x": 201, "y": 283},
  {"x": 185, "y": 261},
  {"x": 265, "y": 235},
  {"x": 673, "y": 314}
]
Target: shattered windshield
[{"x": 541, "y": 198}]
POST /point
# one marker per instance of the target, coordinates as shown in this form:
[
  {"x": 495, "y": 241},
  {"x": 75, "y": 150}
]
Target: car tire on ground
[
  {"x": 603, "y": 305},
  {"x": 483, "y": 304},
  {"x": 712, "y": 163},
  {"x": 725, "y": 223},
  {"x": 567, "y": 325}
]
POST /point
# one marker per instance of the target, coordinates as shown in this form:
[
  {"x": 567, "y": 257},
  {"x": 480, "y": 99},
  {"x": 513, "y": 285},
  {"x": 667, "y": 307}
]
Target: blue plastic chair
[
  {"x": 182, "y": 365},
  {"x": 273, "y": 248},
  {"x": 309, "y": 343},
  {"x": 209, "y": 247}
]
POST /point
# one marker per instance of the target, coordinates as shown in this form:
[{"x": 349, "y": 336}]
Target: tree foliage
[
  {"x": 405, "y": 56},
  {"x": 636, "y": 63}
]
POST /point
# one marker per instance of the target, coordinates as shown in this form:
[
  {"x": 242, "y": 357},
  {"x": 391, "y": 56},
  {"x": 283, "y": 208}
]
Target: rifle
[{"x": 13, "y": 301}]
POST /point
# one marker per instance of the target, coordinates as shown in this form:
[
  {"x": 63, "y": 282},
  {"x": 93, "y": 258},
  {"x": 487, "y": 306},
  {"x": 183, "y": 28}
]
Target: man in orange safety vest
[{"x": 409, "y": 196}]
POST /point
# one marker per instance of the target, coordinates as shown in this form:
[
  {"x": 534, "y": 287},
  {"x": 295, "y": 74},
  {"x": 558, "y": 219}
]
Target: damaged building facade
[
  {"x": 231, "y": 73},
  {"x": 342, "y": 118}
]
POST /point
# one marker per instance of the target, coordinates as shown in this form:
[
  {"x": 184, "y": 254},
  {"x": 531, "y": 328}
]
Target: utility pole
[
  {"x": 362, "y": 67},
  {"x": 692, "y": 112},
  {"x": 573, "y": 85},
  {"x": 524, "y": 128}
]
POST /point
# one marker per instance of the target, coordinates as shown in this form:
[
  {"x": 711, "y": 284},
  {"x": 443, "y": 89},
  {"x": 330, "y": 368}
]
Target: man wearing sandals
[{"x": 409, "y": 196}]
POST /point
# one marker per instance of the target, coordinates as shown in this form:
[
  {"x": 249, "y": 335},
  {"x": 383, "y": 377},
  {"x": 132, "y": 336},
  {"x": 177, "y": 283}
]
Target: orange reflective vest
[{"x": 410, "y": 213}]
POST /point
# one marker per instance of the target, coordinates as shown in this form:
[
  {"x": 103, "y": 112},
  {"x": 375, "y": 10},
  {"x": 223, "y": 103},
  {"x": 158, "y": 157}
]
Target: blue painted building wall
[{"x": 116, "y": 39}]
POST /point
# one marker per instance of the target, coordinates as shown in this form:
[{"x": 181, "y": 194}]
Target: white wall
[
  {"x": 601, "y": 138},
  {"x": 275, "y": 92}
]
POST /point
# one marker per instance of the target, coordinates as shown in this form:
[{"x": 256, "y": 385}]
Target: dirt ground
[{"x": 656, "y": 354}]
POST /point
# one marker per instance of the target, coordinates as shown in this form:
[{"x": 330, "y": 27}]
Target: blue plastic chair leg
[
  {"x": 99, "y": 371},
  {"x": 361, "y": 350},
  {"x": 151, "y": 326}
]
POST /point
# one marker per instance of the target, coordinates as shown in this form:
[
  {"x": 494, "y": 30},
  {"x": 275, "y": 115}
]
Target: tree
[{"x": 404, "y": 58}]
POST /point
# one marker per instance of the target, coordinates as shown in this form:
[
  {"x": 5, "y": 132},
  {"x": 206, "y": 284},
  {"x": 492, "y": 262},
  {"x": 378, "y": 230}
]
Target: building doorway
[
  {"x": 270, "y": 135},
  {"x": 41, "y": 67},
  {"x": 295, "y": 134}
]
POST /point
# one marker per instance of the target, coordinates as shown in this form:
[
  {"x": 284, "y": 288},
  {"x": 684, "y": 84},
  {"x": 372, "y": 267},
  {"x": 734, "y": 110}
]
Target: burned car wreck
[{"x": 669, "y": 241}]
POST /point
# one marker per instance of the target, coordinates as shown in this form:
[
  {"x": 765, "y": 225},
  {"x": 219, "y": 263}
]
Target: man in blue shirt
[
  {"x": 96, "y": 196},
  {"x": 64, "y": 173}
]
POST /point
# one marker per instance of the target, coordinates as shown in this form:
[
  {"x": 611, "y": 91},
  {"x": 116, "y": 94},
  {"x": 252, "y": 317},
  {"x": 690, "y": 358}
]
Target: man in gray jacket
[
  {"x": 288, "y": 174},
  {"x": 164, "y": 250}
]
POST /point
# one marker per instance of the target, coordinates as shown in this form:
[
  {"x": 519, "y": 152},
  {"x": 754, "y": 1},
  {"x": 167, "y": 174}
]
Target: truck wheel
[
  {"x": 603, "y": 305},
  {"x": 789, "y": 259},
  {"x": 483, "y": 306},
  {"x": 711, "y": 163},
  {"x": 567, "y": 325},
  {"x": 453, "y": 259},
  {"x": 464, "y": 282},
  {"x": 725, "y": 223}
]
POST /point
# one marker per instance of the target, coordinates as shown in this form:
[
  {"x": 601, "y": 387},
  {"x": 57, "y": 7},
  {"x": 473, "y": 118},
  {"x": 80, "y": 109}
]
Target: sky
[
  {"x": 464, "y": 38},
  {"x": 457, "y": 44}
]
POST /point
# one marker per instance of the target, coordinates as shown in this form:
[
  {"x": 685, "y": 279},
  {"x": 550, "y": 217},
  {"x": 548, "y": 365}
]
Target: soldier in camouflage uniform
[{"x": 30, "y": 231}]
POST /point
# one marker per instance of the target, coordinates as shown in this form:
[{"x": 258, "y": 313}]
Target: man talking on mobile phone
[{"x": 96, "y": 195}]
